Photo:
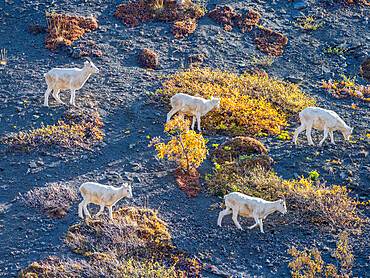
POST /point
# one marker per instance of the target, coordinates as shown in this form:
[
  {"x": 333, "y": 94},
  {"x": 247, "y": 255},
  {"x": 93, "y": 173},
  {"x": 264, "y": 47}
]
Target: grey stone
[
  {"x": 294, "y": 79},
  {"x": 300, "y": 5},
  {"x": 33, "y": 165}
]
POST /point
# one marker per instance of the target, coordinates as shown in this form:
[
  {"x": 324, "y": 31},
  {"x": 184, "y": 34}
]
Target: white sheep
[
  {"x": 103, "y": 195},
  {"x": 195, "y": 106},
  {"x": 68, "y": 79},
  {"x": 322, "y": 119},
  {"x": 247, "y": 206}
]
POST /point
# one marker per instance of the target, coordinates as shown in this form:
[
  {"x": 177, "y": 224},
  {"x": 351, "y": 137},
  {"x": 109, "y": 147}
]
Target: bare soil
[{"x": 119, "y": 93}]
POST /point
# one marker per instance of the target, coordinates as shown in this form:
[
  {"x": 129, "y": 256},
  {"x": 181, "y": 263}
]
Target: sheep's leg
[
  {"x": 261, "y": 225},
  {"x": 222, "y": 214},
  {"x": 193, "y": 123},
  {"x": 235, "y": 219},
  {"x": 47, "y": 93},
  {"x": 332, "y": 137},
  {"x": 80, "y": 207},
  {"x": 87, "y": 213},
  {"x": 257, "y": 222},
  {"x": 56, "y": 96},
  {"x": 181, "y": 115},
  {"x": 102, "y": 205},
  {"x": 73, "y": 97},
  {"x": 297, "y": 132},
  {"x": 171, "y": 113},
  {"x": 308, "y": 134},
  {"x": 110, "y": 212},
  {"x": 326, "y": 132},
  {"x": 198, "y": 120}
]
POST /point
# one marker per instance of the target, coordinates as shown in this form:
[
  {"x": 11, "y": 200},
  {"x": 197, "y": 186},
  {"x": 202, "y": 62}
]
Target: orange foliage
[
  {"x": 270, "y": 41},
  {"x": 66, "y": 29}
]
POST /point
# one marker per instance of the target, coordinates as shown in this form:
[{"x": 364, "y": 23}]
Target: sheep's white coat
[
  {"x": 103, "y": 195},
  {"x": 247, "y": 206},
  {"x": 67, "y": 79},
  {"x": 190, "y": 105},
  {"x": 322, "y": 119}
]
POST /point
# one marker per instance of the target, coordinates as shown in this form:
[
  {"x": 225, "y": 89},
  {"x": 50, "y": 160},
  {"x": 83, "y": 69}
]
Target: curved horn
[{"x": 88, "y": 59}]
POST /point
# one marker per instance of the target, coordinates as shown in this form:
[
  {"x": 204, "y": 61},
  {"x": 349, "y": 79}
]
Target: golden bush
[
  {"x": 329, "y": 204},
  {"x": 250, "y": 104},
  {"x": 308, "y": 263},
  {"x": 186, "y": 147}
]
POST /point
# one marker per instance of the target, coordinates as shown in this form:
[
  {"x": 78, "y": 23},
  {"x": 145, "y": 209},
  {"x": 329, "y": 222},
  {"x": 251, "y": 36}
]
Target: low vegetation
[
  {"x": 308, "y": 263},
  {"x": 184, "y": 17},
  {"x": 65, "y": 29},
  {"x": 226, "y": 16},
  {"x": 323, "y": 204},
  {"x": 250, "y": 104},
  {"x": 188, "y": 149},
  {"x": 347, "y": 87},
  {"x": 78, "y": 128},
  {"x": 147, "y": 59},
  {"x": 308, "y": 22},
  {"x": 270, "y": 42},
  {"x": 137, "y": 245},
  {"x": 54, "y": 199}
]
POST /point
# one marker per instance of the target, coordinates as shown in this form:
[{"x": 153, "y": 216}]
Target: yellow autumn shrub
[
  {"x": 186, "y": 147},
  {"x": 308, "y": 263},
  {"x": 250, "y": 104}
]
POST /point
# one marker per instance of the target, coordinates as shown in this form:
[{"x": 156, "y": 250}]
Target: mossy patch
[{"x": 237, "y": 148}]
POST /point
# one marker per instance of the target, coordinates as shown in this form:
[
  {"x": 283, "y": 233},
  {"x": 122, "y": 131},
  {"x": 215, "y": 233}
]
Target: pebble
[
  {"x": 33, "y": 165},
  {"x": 300, "y": 5}
]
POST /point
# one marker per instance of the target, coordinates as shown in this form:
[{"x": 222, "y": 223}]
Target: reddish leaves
[{"x": 270, "y": 42}]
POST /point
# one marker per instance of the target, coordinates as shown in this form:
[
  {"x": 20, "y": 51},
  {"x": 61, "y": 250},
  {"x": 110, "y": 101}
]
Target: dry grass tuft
[
  {"x": 270, "y": 42},
  {"x": 54, "y": 199},
  {"x": 226, "y": 16},
  {"x": 250, "y": 104},
  {"x": 78, "y": 128},
  {"x": 147, "y": 59},
  {"x": 65, "y": 29}
]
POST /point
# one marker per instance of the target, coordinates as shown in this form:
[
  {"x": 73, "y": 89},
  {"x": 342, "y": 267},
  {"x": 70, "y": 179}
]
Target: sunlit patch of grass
[
  {"x": 331, "y": 204},
  {"x": 137, "y": 234},
  {"x": 250, "y": 104},
  {"x": 78, "y": 128}
]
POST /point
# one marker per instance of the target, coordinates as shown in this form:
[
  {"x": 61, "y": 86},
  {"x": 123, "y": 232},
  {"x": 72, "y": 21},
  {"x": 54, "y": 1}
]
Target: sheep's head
[
  {"x": 90, "y": 65},
  {"x": 282, "y": 206},
  {"x": 216, "y": 101},
  {"x": 126, "y": 190},
  {"x": 347, "y": 132}
]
